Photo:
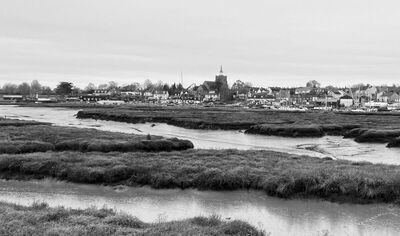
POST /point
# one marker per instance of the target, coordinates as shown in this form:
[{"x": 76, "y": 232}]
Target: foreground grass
[
  {"x": 39, "y": 219},
  {"x": 39, "y": 138},
  {"x": 277, "y": 174}
]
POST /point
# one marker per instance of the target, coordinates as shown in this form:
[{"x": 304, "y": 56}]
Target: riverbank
[
  {"x": 277, "y": 174},
  {"x": 263, "y": 122},
  {"x": 24, "y": 137},
  {"x": 40, "y": 219}
]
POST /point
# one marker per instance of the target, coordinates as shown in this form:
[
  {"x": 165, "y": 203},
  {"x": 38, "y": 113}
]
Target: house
[
  {"x": 160, "y": 96},
  {"x": 101, "y": 92},
  {"x": 199, "y": 92},
  {"x": 93, "y": 97},
  {"x": 389, "y": 97},
  {"x": 393, "y": 97},
  {"x": 346, "y": 101},
  {"x": 283, "y": 94},
  {"x": 328, "y": 102},
  {"x": 335, "y": 94},
  {"x": 16, "y": 98},
  {"x": 303, "y": 90},
  {"x": 130, "y": 93},
  {"x": 371, "y": 92},
  {"x": 261, "y": 98},
  {"x": 211, "y": 96},
  {"x": 240, "y": 96}
]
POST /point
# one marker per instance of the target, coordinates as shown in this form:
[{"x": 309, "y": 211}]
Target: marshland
[{"x": 93, "y": 154}]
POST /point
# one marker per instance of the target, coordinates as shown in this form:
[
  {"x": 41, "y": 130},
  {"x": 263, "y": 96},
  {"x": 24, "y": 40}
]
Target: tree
[
  {"x": 241, "y": 87},
  {"x": 330, "y": 87},
  {"x": 237, "y": 85},
  {"x": 102, "y": 86},
  {"x": 90, "y": 87},
  {"x": 35, "y": 87},
  {"x": 76, "y": 91},
  {"x": 148, "y": 85},
  {"x": 24, "y": 89},
  {"x": 10, "y": 88},
  {"x": 165, "y": 87},
  {"x": 64, "y": 88},
  {"x": 179, "y": 89},
  {"x": 46, "y": 90},
  {"x": 172, "y": 89},
  {"x": 131, "y": 87},
  {"x": 112, "y": 85},
  {"x": 313, "y": 84},
  {"x": 158, "y": 86}
]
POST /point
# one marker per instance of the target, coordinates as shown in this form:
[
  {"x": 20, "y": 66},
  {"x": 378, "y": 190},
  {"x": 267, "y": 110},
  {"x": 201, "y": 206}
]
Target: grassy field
[
  {"x": 277, "y": 174},
  {"x": 39, "y": 137},
  {"x": 265, "y": 122},
  {"x": 39, "y": 219}
]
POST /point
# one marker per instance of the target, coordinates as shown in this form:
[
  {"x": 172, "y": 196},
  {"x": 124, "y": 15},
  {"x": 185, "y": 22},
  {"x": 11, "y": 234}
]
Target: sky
[{"x": 264, "y": 42}]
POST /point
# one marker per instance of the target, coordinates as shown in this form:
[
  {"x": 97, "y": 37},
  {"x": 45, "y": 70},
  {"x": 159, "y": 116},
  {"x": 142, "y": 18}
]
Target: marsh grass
[
  {"x": 264, "y": 122},
  {"x": 40, "y": 219},
  {"x": 15, "y": 147},
  {"x": 41, "y": 138},
  {"x": 277, "y": 174},
  {"x": 15, "y": 122}
]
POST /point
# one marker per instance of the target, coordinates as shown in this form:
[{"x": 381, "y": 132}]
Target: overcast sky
[{"x": 265, "y": 42}]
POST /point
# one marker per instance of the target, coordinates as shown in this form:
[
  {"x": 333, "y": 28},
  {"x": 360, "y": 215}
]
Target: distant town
[{"x": 358, "y": 97}]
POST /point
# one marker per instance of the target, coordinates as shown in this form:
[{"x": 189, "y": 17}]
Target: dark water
[
  {"x": 333, "y": 146},
  {"x": 280, "y": 217}
]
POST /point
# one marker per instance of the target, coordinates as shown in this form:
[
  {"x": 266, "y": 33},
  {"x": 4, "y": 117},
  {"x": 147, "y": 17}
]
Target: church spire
[{"x": 221, "y": 71}]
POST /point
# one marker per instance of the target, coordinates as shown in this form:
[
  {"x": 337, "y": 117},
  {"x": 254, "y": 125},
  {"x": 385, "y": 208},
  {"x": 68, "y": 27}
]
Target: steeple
[{"x": 221, "y": 71}]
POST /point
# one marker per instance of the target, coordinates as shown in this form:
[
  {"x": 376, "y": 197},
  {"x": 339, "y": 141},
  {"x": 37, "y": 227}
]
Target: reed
[{"x": 40, "y": 219}]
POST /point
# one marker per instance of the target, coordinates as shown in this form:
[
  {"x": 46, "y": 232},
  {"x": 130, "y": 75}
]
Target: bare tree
[
  {"x": 148, "y": 85},
  {"x": 24, "y": 89},
  {"x": 112, "y": 85},
  {"x": 90, "y": 87},
  {"x": 36, "y": 87}
]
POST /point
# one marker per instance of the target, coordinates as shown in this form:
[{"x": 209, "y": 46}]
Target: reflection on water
[
  {"x": 280, "y": 217},
  {"x": 333, "y": 146}
]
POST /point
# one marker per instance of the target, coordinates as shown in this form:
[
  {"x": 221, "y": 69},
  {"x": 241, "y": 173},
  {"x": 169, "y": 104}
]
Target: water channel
[{"x": 274, "y": 215}]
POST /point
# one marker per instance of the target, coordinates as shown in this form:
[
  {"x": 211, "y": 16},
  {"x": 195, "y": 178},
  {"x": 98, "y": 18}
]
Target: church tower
[{"x": 221, "y": 81}]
